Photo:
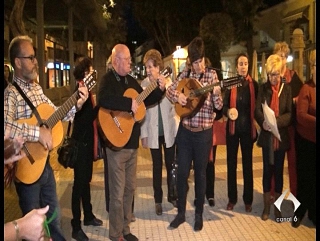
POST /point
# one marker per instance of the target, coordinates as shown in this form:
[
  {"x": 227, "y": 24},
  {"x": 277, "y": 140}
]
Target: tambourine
[{"x": 233, "y": 113}]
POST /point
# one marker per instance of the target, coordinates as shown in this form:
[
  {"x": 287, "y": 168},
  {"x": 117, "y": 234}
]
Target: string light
[{"x": 105, "y": 7}]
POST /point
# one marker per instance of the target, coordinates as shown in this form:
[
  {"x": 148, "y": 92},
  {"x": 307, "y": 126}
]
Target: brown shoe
[
  {"x": 133, "y": 218},
  {"x": 230, "y": 206},
  {"x": 248, "y": 208},
  {"x": 158, "y": 209}
]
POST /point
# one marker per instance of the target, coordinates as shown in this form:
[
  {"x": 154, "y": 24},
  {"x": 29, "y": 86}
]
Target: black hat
[{"x": 196, "y": 49}]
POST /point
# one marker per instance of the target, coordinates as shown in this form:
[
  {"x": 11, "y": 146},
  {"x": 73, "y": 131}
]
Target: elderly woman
[
  {"x": 277, "y": 96},
  {"x": 158, "y": 130},
  {"x": 293, "y": 80}
]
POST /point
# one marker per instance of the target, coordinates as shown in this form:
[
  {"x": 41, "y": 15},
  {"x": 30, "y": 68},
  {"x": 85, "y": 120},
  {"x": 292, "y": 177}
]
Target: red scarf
[
  {"x": 274, "y": 105},
  {"x": 233, "y": 104},
  {"x": 288, "y": 74},
  {"x": 95, "y": 131}
]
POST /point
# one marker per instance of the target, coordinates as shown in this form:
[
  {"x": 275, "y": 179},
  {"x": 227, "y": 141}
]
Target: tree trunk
[{"x": 16, "y": 23}]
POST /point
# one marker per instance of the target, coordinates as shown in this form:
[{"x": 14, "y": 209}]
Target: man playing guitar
[{"x": 42, "y": 191}]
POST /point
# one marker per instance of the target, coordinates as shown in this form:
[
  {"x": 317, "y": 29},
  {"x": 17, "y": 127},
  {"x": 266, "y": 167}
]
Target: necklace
[{"x": 118, "y": 77}]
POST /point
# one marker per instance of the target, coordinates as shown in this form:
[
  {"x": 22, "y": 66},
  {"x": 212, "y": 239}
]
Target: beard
[{"x": 32, "y": 75}]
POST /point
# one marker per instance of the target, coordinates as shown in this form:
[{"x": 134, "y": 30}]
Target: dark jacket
[
  {"x": 284, "y": 118},
  {"x": 243, "y": 102}
]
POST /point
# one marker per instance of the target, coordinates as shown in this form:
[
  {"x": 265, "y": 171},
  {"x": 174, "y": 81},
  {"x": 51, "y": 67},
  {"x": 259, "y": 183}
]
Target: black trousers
[
  {"x": 246, "y": 144},
  {"x": 156, "y": 154},
  {"x": 81, "y": 188},
  {"x": 306, "y": 177},
  {"x": 211, "y": 175}
]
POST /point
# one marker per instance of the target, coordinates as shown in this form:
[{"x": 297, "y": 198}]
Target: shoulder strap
[
  {"x": 34, "y": 110},
  {"x": 189, "y": 71},
  {"x": 279, "y": 93},
  {"x": 68, "y": 131}
]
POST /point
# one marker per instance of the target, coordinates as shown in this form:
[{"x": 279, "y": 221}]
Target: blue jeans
[
  {"x": 192, "y": 146},
  {"x": 39, "y": 194},
  {"x": 275, "y": 170}
]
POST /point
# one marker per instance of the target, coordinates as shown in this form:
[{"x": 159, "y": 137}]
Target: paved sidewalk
[{"x": 219, "y": 224}]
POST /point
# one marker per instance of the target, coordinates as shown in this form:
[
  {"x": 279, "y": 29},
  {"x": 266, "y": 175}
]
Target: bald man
[{"x": 122, "y": 164}]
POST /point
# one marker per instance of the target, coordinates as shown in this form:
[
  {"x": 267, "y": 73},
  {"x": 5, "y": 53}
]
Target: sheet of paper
[{"x": 271, "y": 120}]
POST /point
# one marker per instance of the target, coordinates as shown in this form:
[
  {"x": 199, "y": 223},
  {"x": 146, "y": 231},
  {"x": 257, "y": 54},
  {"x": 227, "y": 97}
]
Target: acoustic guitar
[
  {"x": 196, "y": 93},
  {"x": 116, "y": 126},
  {"x": 30, "y": 168}
]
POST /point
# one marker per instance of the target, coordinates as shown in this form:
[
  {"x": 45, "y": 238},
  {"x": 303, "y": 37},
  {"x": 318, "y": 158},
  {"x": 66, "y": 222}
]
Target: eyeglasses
[
  {"x": 31, "y": 57},
  {"x": 126, "y": 59},
  {"x": 274, "y": 75}
]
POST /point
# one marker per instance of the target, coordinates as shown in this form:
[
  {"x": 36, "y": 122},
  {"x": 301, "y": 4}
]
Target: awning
[{"x": 294, "y": 15}]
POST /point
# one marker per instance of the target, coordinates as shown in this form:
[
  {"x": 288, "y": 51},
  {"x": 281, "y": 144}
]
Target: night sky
[{"x": 136, "y": 32}]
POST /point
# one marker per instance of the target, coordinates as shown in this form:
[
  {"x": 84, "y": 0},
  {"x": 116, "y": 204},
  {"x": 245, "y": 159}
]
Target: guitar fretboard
[
  {"x": 226, "y": 83},
  {"x": 60, "y": 113},
  {"x": 144, "y": 94},
  {"x": 62, "y": 110}
]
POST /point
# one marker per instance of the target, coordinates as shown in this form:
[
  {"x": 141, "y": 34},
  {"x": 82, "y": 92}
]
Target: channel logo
[{"x": 291, "y": 197}]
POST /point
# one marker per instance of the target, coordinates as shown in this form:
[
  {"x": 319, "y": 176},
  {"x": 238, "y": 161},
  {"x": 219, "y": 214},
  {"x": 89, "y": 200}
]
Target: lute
[{"x": 196, "y": 93}]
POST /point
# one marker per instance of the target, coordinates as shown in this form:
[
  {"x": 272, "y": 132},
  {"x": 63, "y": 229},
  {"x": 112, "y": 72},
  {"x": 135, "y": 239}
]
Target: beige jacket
[{"x": 149, "y": 125}]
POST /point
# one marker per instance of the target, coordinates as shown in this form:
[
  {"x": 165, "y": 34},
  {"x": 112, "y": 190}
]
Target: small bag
[
  {"x": 68, "y": 151},
  {"x": 172, "y": 188},
  {"x": 172, "y": 193}
]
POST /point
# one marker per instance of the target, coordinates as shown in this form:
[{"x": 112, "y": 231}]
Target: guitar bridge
[{"x": 116, "y": 122}]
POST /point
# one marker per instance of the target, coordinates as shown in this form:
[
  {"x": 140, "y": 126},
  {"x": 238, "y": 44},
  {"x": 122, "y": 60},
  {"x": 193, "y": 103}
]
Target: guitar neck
[
  {"x": 61, "y": 112},
  {"x": 226, "y": 83},
  {"x": 144, "y": 94},
  {"x": 151, "y": 87},
  {"x": 206, "y": 89}
]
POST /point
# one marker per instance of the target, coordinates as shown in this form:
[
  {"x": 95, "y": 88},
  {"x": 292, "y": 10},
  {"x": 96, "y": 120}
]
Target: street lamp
[{"x": 180, "y": 53}]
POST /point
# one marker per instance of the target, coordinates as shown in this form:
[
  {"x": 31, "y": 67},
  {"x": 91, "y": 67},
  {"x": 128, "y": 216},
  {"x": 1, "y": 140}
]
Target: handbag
[
  {"x": 172, "y": 192},
  {"x": 219, "y": 132},
  {"x": 68, "y": 151}
]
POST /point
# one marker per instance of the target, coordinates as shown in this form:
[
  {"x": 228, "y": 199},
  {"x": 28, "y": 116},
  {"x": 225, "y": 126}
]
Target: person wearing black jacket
[
  {"x": 122, "y": 163},
  {"x": 278, "y": 96},
  {"x": 83, "y": 132},
  {"x": 239, "y": 106}
]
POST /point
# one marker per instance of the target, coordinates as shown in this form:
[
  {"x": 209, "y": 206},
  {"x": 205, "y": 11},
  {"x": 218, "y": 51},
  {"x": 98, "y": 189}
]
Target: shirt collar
[{"x": 23, "y": 83}]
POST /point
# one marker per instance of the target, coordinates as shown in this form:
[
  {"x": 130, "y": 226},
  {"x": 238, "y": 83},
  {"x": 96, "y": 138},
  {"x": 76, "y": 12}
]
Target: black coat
[
  {"x": 243, "y": 102},
  {"x": 83, "y": 126}
]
